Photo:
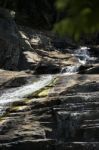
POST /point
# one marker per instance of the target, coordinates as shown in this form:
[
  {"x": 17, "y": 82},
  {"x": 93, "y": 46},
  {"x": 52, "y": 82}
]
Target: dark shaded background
[{"x": 39, "y": 14}]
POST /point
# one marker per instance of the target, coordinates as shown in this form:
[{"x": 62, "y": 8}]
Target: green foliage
[{"x": 81, "y": 17}]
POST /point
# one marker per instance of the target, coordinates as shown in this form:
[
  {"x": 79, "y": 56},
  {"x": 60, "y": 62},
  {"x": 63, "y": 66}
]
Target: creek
[{"x": 18, "y": 94}]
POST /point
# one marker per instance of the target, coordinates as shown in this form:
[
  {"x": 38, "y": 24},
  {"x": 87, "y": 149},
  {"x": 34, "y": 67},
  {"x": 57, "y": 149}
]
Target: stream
[
  {"x": 17, "y": 94},
  {"x": 83, "y": 56}
]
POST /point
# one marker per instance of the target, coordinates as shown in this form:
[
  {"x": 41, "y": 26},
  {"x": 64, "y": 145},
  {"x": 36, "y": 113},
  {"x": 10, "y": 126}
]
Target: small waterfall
[
  {"x": 83, "y": 56},
  {"x": 70, "y": 69},
  {"x": 18, "y": 94}
]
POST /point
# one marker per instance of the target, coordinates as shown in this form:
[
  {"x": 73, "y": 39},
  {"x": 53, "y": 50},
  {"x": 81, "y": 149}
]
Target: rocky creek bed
[
  {"x": 49, "y": 112},
  {"x": 51, "y": 99},
  {"x": 62, "y": 115}
]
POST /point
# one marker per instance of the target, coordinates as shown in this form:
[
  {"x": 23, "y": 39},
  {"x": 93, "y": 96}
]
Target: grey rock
[{"x": 64, "y": 120}]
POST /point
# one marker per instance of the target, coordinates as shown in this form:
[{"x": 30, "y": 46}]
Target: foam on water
[
  {"x": 83, "y": 56},
  {"x": 70, "y": 69},
  {"x": 17, "y": 94},
  {"x": 22, "y": 92}
]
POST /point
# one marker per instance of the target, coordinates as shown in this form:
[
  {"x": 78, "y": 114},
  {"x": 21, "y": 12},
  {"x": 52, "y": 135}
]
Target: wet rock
[
  {"x": 93, "y": 70},
  {"x": 67, "y": 125},
  {"x": 66, "y": 118},
  {"x": 84, "y": 88},
  {"x": 16, "y": 82},
  {"x": 9, "y": 79},
  {"x": 47, "y": 68},
  {"x": 40, "y": 54},
  {"x": 78, "y": 145},
  {"x": 33, "y": 144},
  {"x": 83, "y": 69}
]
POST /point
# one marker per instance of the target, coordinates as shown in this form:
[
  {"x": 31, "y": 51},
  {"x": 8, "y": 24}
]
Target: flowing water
[
  {"x": 83, "y": 56},
  {"x": 18, "y": 94},
  {"x": 70, "y": 69}
]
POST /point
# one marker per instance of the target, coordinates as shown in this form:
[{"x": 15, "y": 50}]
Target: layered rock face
[
  {"x": 43, "y": 52},
  {"x": 41, "y": 111},
  {"x": 22, "y": 48},
  {"x": 62, "y": 115}
]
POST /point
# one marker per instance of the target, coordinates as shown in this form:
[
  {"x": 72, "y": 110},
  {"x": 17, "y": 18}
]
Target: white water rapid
[
  {"x": 70, "y": 69},
  {"x": 83, "y": 56},
  {"x": 20, "y": 93}
]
